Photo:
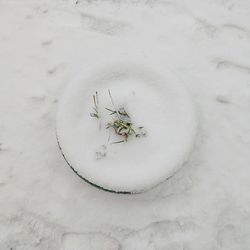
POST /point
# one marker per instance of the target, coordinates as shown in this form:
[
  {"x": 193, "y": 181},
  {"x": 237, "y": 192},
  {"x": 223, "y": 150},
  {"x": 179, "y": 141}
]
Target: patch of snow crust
[{"x": 154, "y": 99}]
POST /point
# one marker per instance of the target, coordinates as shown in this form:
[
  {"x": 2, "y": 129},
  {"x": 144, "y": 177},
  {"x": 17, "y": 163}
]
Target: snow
[
  {"x": 160, "y": 104},
  {"x": 44, "y": 45}
]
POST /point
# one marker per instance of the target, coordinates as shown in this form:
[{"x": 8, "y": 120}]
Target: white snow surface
[
  {"x": 158, "y": 103},
  {"x": 44, "y": 45}
]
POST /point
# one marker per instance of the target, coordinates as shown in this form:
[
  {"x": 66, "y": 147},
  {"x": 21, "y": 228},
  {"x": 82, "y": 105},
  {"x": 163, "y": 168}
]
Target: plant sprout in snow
[
  {"x": 95, "y": 107},
  {"x": 120, "y": 123}
]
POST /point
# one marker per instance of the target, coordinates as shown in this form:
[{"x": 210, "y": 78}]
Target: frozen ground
[{"x": 44, "y": 45}]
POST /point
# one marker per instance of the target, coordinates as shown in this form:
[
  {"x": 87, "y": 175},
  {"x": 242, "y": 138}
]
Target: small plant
[
  {"x": 95, "y": 107},
  {"x": 120, "y": 123}
]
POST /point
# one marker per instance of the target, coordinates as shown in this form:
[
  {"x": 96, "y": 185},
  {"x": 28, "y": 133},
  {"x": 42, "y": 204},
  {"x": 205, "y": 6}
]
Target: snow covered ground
[
  {"x": 44, "y": 45},
  {"x": 161, "y": 104}
]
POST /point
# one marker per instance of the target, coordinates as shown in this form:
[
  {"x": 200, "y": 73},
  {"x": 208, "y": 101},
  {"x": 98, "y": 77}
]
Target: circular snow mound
[{"x": 153, "y": 99}]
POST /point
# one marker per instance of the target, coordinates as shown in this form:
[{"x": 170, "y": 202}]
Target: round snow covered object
[{"x": 154, "y": 100}]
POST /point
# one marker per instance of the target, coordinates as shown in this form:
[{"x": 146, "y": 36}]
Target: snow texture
[
  {"x": 45, "y": 44},
  {"x": 159, "y": 104}
]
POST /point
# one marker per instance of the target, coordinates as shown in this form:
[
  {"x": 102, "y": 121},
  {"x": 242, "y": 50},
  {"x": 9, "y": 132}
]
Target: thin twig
[
  {"x": 116, "y": 142},
  {"x": 111, "y": 98}
]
